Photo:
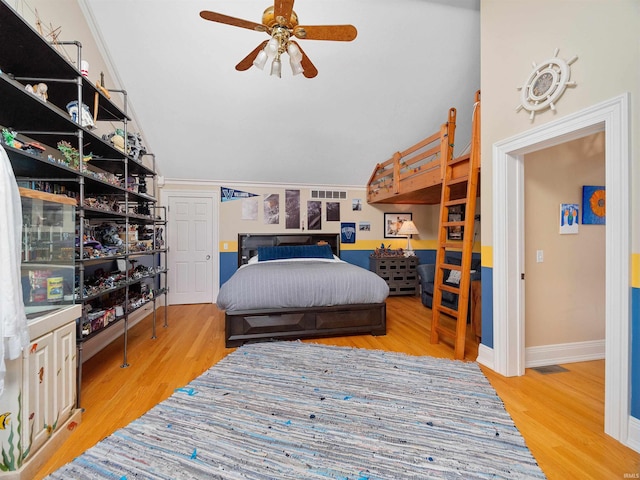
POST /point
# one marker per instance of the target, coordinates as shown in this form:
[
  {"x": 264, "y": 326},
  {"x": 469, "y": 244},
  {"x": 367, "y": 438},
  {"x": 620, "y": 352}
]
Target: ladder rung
[
  {"x": 457, "y": 180},
  {"x": 462, "y": 158},
  {"x": 447, "y": 266},
  {"x": 450, "y": 289},
  {"x": 454, "y": 203},
  {"x": 447, "y": 310},
  {"x": 453, "y": 224},
  {"x": 452, "y": 245}
]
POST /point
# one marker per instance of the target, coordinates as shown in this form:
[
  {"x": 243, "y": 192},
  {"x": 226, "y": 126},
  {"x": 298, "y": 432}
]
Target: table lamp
[{"x": 408, "y": 228}]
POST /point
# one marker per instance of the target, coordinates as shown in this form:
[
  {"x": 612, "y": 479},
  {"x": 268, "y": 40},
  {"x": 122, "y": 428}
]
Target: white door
[{"x": 192, "y": 251}]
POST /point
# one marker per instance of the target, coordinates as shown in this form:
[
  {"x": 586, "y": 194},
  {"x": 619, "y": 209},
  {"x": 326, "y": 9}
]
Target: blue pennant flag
[{"x": 228, "y": 194}]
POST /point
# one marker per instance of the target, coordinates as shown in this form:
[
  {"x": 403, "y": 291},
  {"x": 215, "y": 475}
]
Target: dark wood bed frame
[{"x": 291, "y": 324}]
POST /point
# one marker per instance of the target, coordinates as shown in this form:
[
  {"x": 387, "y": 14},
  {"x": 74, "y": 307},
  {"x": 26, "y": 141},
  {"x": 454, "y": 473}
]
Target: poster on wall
[
  {"x": 292, "y": 208},
  {"x": 569, "y": 218},
  {"x": 356, "y": 204},
  {"x": 250, "y": 208},
  {"x": 364, "y": 226},
  {"x": 348, "y": 232},
  {"x": 314, "y": 215},
  {"x": 333, "y": 211},
  {"x": 271, "y": 205},
  {"x": 594, "y": 205}
]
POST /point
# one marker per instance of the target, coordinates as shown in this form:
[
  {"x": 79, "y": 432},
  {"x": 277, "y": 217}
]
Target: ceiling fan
[{"x": 280, "y": 22}]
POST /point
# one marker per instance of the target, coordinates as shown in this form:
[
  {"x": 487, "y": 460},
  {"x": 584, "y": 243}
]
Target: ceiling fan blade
[
  {"x": 283, "y": 8},
  {"x": 247, "y": 62},
  {"x": 310, "y": 69},
  {"x": 341, "y": 33},
  {"x": 235, "y": 22}
]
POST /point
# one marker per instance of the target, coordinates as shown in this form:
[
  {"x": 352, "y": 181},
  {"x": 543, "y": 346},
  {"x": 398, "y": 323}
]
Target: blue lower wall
[
  {"x": 635, "y": 352},
  {"x": 229, "y": 260},
  {"x": 487, "y": 306}
]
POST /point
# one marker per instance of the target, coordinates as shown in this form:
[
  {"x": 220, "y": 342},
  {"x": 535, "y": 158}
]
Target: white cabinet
[
  {"x": 37, "y": 406},
  {"x": 38, "y": 364},
  {"x": 64, "y": 353}
]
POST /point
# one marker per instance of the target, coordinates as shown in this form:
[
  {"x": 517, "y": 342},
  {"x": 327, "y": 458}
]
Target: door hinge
[{"x": 522, "y": 276}]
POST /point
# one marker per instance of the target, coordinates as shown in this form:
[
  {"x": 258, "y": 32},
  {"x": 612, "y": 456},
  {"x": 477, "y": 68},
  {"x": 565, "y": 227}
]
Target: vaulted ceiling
[{"x": 392, "y": 86}]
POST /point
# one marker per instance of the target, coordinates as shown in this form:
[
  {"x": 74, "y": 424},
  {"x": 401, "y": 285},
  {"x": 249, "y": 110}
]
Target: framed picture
[
  {"x": 393, "y": 222},
  {"x": 569, "y": 218},
  {"x": 456, "y": 214},
  {"x": 593, "y": 205}
]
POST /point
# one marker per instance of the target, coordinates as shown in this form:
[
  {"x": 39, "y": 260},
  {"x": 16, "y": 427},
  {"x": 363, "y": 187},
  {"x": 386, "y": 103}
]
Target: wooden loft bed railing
[{"x": 414, "y": 176}]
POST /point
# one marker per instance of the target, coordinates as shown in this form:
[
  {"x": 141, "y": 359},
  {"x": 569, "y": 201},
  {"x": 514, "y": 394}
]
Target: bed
[{"x": 293, "y": 286}]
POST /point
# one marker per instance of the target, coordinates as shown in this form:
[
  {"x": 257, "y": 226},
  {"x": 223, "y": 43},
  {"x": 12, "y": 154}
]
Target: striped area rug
[{"x": 293, "y": 410}]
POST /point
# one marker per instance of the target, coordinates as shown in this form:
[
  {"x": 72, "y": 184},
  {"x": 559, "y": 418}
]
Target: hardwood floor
[{"x": 560, "y": 415}]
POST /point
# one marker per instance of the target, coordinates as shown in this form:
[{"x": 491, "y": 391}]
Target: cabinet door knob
[{"x": 208, "y": 257}]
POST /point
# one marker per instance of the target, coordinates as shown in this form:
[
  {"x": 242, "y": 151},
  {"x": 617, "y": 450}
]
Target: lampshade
[{"x": 408, "y": 228}]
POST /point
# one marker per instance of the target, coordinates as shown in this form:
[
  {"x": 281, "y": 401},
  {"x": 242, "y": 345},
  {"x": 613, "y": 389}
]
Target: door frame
[
  {"x": 612, "y": 117},
  {"x": 165, "y": 194}
]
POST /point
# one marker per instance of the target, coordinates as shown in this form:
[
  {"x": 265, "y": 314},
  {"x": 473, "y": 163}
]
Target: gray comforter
[{"x": 294, "y": 284}]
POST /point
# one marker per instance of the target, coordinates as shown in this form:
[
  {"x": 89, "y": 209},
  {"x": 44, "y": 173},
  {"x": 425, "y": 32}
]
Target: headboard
[{"x": 248, "y": 243}]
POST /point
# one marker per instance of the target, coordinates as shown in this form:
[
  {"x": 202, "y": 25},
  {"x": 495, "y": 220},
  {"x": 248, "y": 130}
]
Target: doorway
[
  {"x": 612, "y": 118},
  {"x": 564, "y": 256},
  {"x": 193, "y": 246}
]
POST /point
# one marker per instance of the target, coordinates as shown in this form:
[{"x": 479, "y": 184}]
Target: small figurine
[
  {"x": 142, "y": 184},
  {"x": 71, "y": 155},
  {"x": 8, "y": 136},
  {"x": 39, "y": 90},
  {"x": 83, "y": 117}
]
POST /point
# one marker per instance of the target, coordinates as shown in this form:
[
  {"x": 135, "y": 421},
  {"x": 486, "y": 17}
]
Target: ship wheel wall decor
[{"x": 545, "y": 85}]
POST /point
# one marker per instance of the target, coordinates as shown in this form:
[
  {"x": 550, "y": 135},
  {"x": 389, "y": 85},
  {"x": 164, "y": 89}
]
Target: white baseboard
[
  {"x": 633, "y": 440},
  {"x": 485, "y": 356},
  {"x": 97, "y": 343},
  {"x": 564, "y": 353}
]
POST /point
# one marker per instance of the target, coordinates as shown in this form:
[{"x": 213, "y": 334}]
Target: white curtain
[{"x": 13, "y": 320}]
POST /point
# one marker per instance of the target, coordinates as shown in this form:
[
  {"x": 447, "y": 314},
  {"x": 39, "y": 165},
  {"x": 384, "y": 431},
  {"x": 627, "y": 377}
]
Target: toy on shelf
[
  {"x": 84, "y": 117},
  {"x": 387, "y": 252},
  {"x": 39, "y": 90}
]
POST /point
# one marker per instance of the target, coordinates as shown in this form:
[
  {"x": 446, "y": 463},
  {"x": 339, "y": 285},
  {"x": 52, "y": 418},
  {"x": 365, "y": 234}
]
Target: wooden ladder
[{"x": 459, "y": 191}]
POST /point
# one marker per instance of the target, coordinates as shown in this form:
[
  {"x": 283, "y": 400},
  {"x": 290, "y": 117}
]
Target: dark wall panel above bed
[{"x": 248, "y": 243}]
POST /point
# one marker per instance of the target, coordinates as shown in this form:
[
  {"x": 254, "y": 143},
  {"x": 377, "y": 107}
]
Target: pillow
[
  {"x": 454, "y": 277},
  {"x": 294, "y": 251}
]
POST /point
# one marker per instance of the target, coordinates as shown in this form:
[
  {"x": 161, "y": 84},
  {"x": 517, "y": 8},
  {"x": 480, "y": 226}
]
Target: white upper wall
[
  {"x": 386, "y": 90},
  {"x": 515, "y": 33}
]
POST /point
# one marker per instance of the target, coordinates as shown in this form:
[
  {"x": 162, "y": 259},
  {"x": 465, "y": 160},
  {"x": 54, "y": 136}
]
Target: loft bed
[
  {"x": 258, "y": 321},
  {"x": 414, "y": 176}
]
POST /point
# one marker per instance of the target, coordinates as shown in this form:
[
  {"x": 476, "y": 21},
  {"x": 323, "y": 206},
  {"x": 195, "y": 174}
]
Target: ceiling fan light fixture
[
  {"x": 294, "y": 52},
  {"x": 272, "y": 47},
  {"x": 280, "y": 22},
  {"x": 296, "y": 66},
  {"x": 261, "y": 59},
  {"x": 276, "y": 67}
]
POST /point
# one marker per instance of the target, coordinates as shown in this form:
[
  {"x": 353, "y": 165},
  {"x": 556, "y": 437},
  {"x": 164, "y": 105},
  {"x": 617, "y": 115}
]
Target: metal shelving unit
[{"x": 28, "y": 58}]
